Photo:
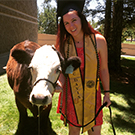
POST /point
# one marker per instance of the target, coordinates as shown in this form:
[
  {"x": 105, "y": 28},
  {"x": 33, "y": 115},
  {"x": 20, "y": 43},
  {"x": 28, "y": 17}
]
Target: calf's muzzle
[{"x": 39, "y": 100}]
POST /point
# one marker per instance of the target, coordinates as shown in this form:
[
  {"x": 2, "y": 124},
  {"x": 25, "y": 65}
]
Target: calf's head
[{"x": 46, "y": 66}]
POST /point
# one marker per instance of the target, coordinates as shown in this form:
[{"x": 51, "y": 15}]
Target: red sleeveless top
[{"x": 71, "y": 115}]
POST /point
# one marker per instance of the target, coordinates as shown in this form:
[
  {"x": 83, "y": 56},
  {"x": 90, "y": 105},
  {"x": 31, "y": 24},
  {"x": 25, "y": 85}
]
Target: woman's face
[{"x": 72, "y": 23}]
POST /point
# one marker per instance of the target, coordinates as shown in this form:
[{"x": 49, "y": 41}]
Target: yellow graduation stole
[{"x": 84, "y": 94}]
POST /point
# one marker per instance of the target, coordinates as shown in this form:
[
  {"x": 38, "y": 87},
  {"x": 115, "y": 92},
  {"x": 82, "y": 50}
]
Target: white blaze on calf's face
[{"x": 45, "y": 64}]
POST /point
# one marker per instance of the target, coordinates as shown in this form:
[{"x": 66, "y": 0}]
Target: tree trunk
[
  {"x": 115, "y": 51},
  {"x": 107, "y": 28}
]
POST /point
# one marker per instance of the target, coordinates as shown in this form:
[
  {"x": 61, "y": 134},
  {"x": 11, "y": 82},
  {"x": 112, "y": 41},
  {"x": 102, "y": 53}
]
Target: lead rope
[
  {"x": 97, "y": 87},
  {"x": 65, "y": 120},
  {"x": 38, "y": 120}
]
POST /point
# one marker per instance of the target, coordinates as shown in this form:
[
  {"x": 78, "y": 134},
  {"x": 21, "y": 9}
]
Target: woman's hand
[{"x": 107, "y": 99}]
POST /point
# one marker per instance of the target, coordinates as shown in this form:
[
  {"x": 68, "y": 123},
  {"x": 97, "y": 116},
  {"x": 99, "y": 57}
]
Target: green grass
[
  {"x": 129, "y": 42},
  {"x": 123, "y": 108},
  {"x": 8, "y": 110}
]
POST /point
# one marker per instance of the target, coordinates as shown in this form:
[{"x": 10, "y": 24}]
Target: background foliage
[
  {"x": 47, "y": 19},
  {"x": 116, "y": 21}
]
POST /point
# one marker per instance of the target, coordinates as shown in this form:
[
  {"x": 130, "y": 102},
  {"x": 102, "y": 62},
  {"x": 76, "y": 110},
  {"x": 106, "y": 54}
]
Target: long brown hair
[{"x": 63, "y": 35}]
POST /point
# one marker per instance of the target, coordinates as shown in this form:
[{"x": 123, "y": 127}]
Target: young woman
[{"x": 83, "y": 95}]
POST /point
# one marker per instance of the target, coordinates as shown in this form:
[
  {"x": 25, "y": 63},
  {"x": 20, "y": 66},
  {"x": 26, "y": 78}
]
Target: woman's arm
[{"x": 104, "y": 73}]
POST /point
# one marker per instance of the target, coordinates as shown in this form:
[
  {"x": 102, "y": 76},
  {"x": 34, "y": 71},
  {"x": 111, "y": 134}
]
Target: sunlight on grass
[
  {"x": 129, "y": 42},
  {"x": 122, "y": 115},
  {"x": 120, "y": 100},
  {"x": 128, "y": 57}
]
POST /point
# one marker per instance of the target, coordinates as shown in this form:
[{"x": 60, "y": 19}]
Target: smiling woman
[
  {"x": 72, "y": 24},
  {"x": 81, "y": 92}
]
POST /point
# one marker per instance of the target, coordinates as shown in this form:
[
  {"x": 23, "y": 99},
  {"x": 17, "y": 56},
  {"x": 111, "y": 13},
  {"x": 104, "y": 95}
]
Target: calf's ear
[
  {"x": 21, "y": 56},
  {"x": 71, "y": 64}
]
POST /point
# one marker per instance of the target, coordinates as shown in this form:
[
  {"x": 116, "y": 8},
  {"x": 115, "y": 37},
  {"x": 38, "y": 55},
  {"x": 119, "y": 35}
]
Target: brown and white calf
[{"x": 32, "y": 73}]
